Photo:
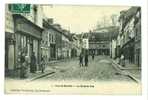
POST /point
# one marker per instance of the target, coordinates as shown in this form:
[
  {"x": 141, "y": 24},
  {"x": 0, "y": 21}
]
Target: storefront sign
[{"x": 25, "y": 26}]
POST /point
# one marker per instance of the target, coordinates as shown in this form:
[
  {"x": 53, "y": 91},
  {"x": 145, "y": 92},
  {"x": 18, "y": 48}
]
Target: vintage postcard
[{"x": 72, "y": 49}]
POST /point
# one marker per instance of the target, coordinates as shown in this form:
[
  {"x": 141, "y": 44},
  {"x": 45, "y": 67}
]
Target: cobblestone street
[{"x": 99, "y": 69}]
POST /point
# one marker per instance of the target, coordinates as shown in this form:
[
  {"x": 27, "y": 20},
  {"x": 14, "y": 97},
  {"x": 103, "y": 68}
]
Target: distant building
[
  {"x": 76, "y": 45},
  {"x": 99, "y": 43},
  {"x": 66, "y": 44},
  {"x": 57, "y": 41},
  {"x": 51, "y": 40},
  {"x": 45, "y": 42},
  {"x": 114, "y": 31},
  {"x": 103, "y": 41}
]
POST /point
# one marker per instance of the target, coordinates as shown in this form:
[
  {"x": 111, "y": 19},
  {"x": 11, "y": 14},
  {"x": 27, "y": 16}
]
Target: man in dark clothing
[
  {"x": 81, "y": 59},
  {"x": 33, "y": 63},
  {"x": 86, "y": 59},
  {"x": 42, "y": 64},
  {"x": 22, "y": 58},
  {"x": 93, "y": 56},
  {"x": 23, "y": 66}
]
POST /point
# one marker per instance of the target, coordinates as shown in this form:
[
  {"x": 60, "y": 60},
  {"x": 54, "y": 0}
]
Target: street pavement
[{"x": 99, "y": 69}]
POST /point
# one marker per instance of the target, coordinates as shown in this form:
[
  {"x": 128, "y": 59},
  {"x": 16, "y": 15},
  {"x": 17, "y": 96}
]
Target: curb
[
  {"x": 118, "y": 68},
  {"x": 42, "y": 75},
  {"x": 123, "y": 68}
]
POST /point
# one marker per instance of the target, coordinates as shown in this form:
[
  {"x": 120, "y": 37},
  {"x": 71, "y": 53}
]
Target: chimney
[
  {"x": 50, "y": 20},
  {"x": 57, "y": 26}
]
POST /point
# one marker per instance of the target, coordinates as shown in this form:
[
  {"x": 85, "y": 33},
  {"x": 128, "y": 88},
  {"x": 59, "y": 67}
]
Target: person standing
[
  {"x": 33, "y": 63},
  {"x": 27, "y": 63},
  {"x": 81, "y": 59},
  {"x": 23, "y": 66},
  {"x": 86, "y": 59},
  {"x": 122, "y": 60},
  {"x": 93, "y": 56},
  {"x": 42, "y": 64}
]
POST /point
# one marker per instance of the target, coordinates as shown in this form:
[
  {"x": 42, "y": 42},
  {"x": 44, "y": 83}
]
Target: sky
[{"x": 82, "y": 18}]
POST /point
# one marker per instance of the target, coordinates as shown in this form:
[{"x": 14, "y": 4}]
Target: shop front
[
  {"x": 28, "y": 40},
  {"x": 52, "y": 51},
  {"x": 128, "y": 51},
  {"x": 138, "y": 54}
]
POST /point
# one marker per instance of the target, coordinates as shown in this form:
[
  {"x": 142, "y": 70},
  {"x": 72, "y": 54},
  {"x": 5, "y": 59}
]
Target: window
[
  {"x": 49, "y": 37},
  {"x": 52, "y": 38}
]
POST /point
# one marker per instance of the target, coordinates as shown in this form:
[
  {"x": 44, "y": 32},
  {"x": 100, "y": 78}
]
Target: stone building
[
  {"x": 66, "y": 45},
  {"x": 99, "y": 43},
  {"x": 45, "y": 42},
  {"x": 137, "y": 30},
  {"x": 57, "y": 40},
  {"x": 50, "y": 39},
  {"x": 130, "y": 35},
  {"x": 103, "y": 41},
  {"x": 113, "y": 31},
  {"x": 26, "y": 38}
]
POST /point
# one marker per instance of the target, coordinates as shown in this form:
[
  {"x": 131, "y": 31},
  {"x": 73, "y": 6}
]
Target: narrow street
[
  {"x": 99, "y": 69},
  {"x": 45, "y": 48}
]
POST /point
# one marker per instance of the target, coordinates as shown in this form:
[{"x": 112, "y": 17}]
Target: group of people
[
  {"x": 84, "y": 58},
  {"x": 25, "y": 61}
]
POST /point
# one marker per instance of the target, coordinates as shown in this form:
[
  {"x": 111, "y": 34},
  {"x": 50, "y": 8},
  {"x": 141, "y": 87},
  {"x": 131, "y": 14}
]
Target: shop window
[
  {"x": 22, "y": 42},
  {"x": 19, "y": 41}
]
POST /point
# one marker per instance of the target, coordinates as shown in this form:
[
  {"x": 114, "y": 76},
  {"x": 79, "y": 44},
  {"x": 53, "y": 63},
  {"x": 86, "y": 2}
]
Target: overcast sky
[{"x": 80, "y": 18}]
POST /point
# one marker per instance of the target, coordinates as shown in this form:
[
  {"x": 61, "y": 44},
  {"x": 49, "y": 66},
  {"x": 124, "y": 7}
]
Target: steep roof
[
  {"x": 110, "y": 33},
  {"x": 126, "y": 16},
  {"x": 130, "y": 13}
]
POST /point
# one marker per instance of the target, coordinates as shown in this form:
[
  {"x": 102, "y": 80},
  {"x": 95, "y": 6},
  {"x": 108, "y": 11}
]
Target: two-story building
[
  {"x": 137, "y": 30},
  {"x": 66, "y": 45},
  {"x": 26, "y": 38},
  {"x": 99, "y": 43},
  {"x": 130, "y": 30}
]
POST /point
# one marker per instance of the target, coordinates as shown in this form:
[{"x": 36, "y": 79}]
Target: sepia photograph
[{"x": 72, "y": 49}]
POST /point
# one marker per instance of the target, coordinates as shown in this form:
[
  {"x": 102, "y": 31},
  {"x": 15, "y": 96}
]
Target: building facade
[
  {"x": 130, "y": 35},
  {"x": 99, "y": 44},
  {"x": 66, "y": 46},
  {"x": 58, "y": 40},
  {"x": 137, "y": 30},
  {"x": 9, "y": 42},
  {"x": 45, "y": 43},
  {"x": 26, "y": 39}
]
